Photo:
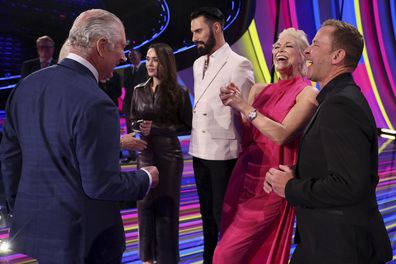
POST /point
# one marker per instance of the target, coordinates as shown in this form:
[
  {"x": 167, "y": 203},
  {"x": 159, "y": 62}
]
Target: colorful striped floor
[{"x": 190, "y": 222}]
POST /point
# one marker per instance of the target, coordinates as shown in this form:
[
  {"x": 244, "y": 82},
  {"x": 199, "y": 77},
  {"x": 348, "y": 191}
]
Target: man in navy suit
[
  {"x": 45, "y": 50},
  {"x": 60, "y": 150}
]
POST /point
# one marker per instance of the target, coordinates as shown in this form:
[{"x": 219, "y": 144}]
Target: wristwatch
[{"x": 252, "y": 115}]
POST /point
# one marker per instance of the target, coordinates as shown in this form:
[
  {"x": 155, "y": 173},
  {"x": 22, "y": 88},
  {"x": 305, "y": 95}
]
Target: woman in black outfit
[{"x": 165, "y": 108}]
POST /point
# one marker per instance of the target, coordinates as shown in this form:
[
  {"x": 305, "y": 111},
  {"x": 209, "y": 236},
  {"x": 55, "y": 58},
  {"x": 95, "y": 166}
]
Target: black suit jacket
[
  {"x": 112, "y": 87},
  {"x": 338, "y": 219},
  {"x": 131, "y": 79},
  {"x": 59, "y": 157},
  {"x": 30, "y": 66}
]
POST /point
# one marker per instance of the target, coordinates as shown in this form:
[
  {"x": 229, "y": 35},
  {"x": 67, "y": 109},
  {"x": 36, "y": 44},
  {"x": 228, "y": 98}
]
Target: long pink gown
[{"x": 257, "y": 227}]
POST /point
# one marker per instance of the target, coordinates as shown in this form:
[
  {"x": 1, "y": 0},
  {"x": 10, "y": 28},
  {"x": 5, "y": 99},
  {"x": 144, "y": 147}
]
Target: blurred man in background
[{"x": 45, "y": 50}]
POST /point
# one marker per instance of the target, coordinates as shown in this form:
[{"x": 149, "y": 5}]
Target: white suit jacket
[{"x": 217, "y": 129}]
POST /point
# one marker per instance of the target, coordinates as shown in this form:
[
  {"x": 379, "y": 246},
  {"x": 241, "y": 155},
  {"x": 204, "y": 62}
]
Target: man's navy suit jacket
[{"x": 60, "y": 164}]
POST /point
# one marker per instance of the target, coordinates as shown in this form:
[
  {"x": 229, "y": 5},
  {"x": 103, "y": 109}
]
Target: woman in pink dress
[{"x": 257, "y": 227}]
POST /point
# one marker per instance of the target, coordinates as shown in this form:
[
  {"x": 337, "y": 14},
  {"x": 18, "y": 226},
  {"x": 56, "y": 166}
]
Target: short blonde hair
[
  {"x": 302, "y": 43},
  {"x": 64, "y": 51},
  {"x": 298, "y": 35}
]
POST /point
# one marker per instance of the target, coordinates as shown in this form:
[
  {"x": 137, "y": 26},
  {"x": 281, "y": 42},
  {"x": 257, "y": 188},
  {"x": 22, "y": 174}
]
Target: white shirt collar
[
  {"x": 84, "y": 62},
  {"x": 48, "y": 61},
  {"x": 219, "y": 51}
]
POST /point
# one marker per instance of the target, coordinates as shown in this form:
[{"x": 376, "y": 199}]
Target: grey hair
[
  {"x": 92, "y": 25},
  {"x": 301, "y": 41},
  {"x": 45, "y": 38}
]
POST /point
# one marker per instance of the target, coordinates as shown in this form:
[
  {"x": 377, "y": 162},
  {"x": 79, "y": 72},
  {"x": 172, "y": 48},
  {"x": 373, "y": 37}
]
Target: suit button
[{"x": 203, "y": 131}]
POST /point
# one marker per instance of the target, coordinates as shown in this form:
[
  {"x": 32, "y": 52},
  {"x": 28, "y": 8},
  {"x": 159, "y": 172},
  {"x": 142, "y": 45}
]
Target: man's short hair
[
  {"x": 45, "y": 39},
  {"x": 346, "y": 37},
  {"x": 211, "y": 15},
  {"x": 135, "y": 51}
]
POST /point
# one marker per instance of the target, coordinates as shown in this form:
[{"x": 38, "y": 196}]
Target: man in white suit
[{"x": 216, "y": 131}]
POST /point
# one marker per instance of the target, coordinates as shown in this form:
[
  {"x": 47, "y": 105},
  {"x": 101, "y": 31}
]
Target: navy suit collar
[{"x": 74, "y": 65}]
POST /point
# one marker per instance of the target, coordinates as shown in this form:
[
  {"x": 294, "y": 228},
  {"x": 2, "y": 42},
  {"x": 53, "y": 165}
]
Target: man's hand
[
  {"x": 276, "y": 180},
  {"x": 154, "y": 175},
  {"x": 131, "y": 143}
]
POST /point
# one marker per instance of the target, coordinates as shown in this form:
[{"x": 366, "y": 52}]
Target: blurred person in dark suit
[
  {"x": 133, "y": 76},
  {"x": 112, "y": 87},
  {"x": 59, "y": 153},
  {"x": 45, "y": 50}
]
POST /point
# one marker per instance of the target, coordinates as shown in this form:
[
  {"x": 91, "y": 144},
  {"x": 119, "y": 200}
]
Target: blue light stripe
[
  {"x": 393, "y": 16},
  {"x": 10, "y": 77},
  {"x": 7, "y": 87},
  {"x": 315, "y": 5},
  {"x": 165, "y": 8}
]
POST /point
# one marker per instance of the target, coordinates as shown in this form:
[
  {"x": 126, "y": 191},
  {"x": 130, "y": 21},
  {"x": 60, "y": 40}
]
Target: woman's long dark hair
[{"x": 167, "y": 73}]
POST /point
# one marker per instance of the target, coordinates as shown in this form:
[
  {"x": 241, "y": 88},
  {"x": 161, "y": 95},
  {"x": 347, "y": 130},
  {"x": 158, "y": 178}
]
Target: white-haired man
[{"x": 60, "y": 151}]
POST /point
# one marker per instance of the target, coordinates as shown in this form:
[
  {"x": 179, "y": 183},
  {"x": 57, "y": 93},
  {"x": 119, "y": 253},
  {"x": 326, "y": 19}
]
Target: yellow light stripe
[
  {"x": 384, "y": 146},
  {"x": 254, "y": 40},
  {"x": 368, "y": 67},
  {"x": 387, "y": 179}
]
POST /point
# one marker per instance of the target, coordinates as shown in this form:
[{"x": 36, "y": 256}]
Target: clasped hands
[
  {"x": 230, "y": 95},
  {"x": 276, "y": 180}
]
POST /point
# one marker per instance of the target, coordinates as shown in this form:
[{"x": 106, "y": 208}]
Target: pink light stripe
[
  {"x": 293, "y": 13},
  {"x": 382, "y": 45},
  {"x": 362, "y": 79}
]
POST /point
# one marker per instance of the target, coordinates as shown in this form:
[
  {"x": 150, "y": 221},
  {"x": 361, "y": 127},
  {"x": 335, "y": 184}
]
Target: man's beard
[{"x": 208, "y": 46}]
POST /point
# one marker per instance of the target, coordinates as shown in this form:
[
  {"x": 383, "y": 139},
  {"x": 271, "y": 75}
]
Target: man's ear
[
  {"x": 338, "y": 56},
  {"x": 216, "y": 27},
  {"x": 101, "y": 45}
]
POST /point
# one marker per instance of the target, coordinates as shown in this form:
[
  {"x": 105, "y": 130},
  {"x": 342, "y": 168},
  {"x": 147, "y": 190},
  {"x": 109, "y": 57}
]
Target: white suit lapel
[{"x": 213, "y": 71}]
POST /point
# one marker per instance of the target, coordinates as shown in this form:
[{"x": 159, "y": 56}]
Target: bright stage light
[
  {"x": 387, "y": 133},
  {"x": 4, "y": 246}
]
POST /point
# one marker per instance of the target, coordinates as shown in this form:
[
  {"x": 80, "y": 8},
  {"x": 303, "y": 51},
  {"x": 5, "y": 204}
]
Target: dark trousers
[
  {"x": 211, "y": 177},
  {"x": 158, "y": 212},
  {"x": 108, "y": 247}
]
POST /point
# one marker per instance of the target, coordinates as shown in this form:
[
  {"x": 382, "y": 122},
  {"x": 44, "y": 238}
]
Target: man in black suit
[
  {"x": 112, "y": 87},
  {"x": 45, "y": 50},
  {"x": 133, "y": 76},
  {"x": 59, "y": 153},
  {"x": 333, "y": 186}
]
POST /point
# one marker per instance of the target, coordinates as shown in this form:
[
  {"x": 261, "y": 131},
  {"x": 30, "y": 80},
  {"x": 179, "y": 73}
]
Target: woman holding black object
[{"x": 165, "y": 110}]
